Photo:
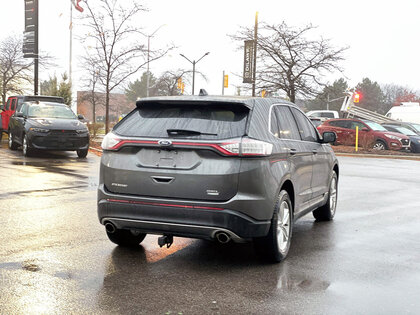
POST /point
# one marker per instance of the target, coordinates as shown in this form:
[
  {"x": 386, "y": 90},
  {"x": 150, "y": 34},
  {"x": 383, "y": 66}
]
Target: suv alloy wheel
[{"x": 276, "y": 244}]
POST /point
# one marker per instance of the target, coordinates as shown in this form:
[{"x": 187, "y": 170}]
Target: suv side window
[
  {"x": 306, "y": 129},
  {"x": 358, "y": 124},
  {"x": 287, "y": 127},
  {"x": 339, "y": 123},
  {"x": 13, "y": 106},
  {"x": 19, "y": 104},
  {"x": 23, "y": 109}
]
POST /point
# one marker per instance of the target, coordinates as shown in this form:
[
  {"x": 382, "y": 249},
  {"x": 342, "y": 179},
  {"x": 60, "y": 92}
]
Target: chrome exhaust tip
[
  {"x": 110, "y": 228},
  {"x": 223, "y": 237}
]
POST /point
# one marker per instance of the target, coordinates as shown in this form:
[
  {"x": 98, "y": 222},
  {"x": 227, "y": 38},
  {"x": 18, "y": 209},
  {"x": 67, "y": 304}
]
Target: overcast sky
[{"x": 383, "y": 36}]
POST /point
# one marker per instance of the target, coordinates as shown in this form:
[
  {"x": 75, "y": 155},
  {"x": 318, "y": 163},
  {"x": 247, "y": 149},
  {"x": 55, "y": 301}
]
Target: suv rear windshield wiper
[{"x": 183, "y": 132}]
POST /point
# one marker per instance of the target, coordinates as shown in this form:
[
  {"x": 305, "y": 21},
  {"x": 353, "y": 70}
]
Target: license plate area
[{"x": 168, "y": 159}]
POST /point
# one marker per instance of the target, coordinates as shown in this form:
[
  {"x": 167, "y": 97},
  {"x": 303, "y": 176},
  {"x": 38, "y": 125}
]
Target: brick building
[{"x": 118, "y": 104}]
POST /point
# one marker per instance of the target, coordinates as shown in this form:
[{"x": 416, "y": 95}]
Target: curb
[{"x": 379, "y": 156}]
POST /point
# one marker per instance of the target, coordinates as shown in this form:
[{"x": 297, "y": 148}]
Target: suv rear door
[
  {"x": 283, "y": 125},
  {"x": 321, "y": 165},
  {"x": 184, "y": 165}
]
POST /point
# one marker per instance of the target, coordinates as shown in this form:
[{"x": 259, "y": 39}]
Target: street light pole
[
  {"x": 148, "y": 58},
  {"x": 194, "y": 63}
]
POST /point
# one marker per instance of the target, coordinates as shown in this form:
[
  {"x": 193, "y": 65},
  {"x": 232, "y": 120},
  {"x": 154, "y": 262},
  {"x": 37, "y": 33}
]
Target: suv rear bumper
[{"x": 185, "y": 219}]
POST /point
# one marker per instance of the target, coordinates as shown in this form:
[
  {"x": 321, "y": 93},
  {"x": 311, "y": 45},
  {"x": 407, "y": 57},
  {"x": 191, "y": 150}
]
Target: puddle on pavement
[{"x": 292, "y": 283}]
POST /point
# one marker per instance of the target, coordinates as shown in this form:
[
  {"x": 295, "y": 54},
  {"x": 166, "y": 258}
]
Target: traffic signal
[
  {"x": 179, "y": 83},
  {"x": 225, "y": 81},
  {"x": 356, "y": 97},
  {"x": 182, "y": 88},
  {"x": 263, "y": 92}
]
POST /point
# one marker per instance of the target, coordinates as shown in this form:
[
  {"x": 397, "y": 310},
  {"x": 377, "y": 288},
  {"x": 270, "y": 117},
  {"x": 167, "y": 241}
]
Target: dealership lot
[{"x": 56, "y": 258}]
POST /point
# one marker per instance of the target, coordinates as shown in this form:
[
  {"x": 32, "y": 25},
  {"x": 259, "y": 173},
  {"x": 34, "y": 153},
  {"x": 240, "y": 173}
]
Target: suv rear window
[{"x": 214, "y": 121}]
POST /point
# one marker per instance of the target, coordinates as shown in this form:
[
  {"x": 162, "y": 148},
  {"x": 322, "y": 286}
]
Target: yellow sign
[
  {"x": 179, "y": 83},
  {"x": 226, "y": 81},
  {"x": 182, "y": 88},
  {"x": 263, "y": 92}
]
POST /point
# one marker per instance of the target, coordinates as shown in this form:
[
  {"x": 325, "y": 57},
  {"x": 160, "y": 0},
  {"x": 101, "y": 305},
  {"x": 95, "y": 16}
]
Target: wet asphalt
[{"x": 56, "y": 259}]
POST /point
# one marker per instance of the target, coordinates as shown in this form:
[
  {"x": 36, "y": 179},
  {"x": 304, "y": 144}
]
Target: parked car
[
  {"x": 414, "y": 138},
  {"x": 406, "y": 111},
  {"x": 411, "y": 126},
  {"x": 216, "y": 168},
  {"x": 15, "y": 102},
  {"x": 369, "y": 133},
  {"x": 328, "y": 114},
  {"x": 47, "y": 126},
  {"x": 316, "y": 121}
]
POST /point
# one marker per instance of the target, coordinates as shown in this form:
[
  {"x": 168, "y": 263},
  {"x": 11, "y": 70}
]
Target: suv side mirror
[
  {"x": 365, "y": 129},
  {"x": 1, "y": 107},
  {"x": 19, "y": 114},
  {"x": 328, "y": 137},
  {"x": 80, "y": 117}
]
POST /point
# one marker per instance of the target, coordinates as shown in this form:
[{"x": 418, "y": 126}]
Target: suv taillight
[
  {"x": 236, "y": 147},
  {"x": 248, "y": 147},
  {"x": 110, "y": 141}
]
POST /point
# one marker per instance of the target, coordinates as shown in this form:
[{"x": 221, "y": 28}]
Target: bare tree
[
  {"x": 91, "y": 78},
  {"x": 289, "y": 61},
  {"x": 117, "y": 53},
  {"x": 167, "y": 83},
  {"x": 15, "y": 71}
]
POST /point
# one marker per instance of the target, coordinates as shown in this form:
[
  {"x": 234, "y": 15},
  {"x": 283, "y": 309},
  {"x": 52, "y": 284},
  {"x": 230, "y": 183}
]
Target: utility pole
[
  {"x": 36, "y": 59},
  {"x": 223, "y": 83},
  {"x": 71, "y": 47},
  {"x": 254, "y": 75},
  {"x": 194, "y": 63}
]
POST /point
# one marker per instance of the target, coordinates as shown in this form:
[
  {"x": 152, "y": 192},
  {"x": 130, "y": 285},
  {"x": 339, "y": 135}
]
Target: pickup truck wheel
[
  {"x": 82, "y": 153},
  {"x": 276, "y": 244},
  {"x": 12, "y": 145},
  {"x": 126, "y": 238},
  {"x": 380, "y": 145},
  {"x": 327, "y": 211},
  {"x": 26, "y": 150}
]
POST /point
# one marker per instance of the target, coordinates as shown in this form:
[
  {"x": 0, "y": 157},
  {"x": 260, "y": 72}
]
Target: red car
[{"x": 370, "y": 134}]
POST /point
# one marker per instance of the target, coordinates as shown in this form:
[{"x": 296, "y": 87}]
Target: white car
[{"x": 323, "y": 114}]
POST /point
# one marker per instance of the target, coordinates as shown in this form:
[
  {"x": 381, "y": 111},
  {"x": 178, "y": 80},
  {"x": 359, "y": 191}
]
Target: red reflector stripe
[
  {"x": 191, "y": 144},
  {"x": 163, "y": 204}
]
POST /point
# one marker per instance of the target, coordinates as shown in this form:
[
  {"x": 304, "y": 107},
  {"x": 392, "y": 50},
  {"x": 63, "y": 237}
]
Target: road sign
[
  {"x": 248, "y": 61},
  {"x": 30, "y": 37}
]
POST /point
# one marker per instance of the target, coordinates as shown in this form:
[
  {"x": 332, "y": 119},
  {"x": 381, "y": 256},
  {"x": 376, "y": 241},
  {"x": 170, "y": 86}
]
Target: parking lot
[{"x": 55, "y": 256}]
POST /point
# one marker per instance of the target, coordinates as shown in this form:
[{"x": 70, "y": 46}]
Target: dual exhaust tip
[{"x": 221, "y": 237}]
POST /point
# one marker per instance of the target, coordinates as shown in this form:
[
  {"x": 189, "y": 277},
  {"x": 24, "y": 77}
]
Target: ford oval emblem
[{"x": 165, "y": 143}]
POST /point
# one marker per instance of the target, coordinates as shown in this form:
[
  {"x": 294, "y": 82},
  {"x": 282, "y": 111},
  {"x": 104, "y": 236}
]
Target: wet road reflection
[{"x": 56, "y": 258}]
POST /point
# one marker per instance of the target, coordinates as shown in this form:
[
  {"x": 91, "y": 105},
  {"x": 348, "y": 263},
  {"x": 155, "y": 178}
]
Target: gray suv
[{"x": 219, "y": 168}]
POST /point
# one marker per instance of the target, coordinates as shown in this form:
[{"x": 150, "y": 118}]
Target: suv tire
[
  {"x": 12, "y": 145},
  {"x": 26, "y": 150},
  {"x": 82, "y": 153},
  {"x": 327, "y": 211},
  {"x": 276, "y": 244},
  {"x": 125, "y": 238}
]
